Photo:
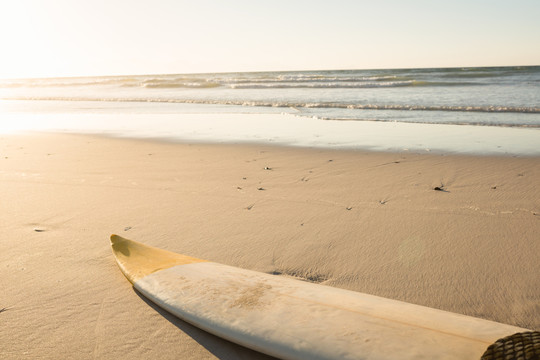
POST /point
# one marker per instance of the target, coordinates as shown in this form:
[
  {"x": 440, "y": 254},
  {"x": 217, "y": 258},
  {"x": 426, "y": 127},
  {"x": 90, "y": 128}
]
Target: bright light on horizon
[{"x": 59, "y": 38}]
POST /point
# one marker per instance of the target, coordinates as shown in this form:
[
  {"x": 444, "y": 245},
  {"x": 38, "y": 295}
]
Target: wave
[
  {"x": 487, "y": 72},
  {"x": 349, "y": 85},
  {"x": 435, "y": 122},
  {"x": 318, "y": 105},
  {"x": 328, "y": 78},
  {"x": 308, "y": 79},
  {"x": 242, "y": 84},
  {"x": 67, "y": 82},
  {"x": 176, "y": 85},
  {"x": 487, "y": 109},
  {"x": 346, "y": 79},
  {"x": 322, "y": 85},
  {"x": 474, "y": 75}
]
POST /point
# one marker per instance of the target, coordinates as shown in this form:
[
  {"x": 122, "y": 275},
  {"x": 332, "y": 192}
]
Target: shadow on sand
[{"x": 219, "y": 347}]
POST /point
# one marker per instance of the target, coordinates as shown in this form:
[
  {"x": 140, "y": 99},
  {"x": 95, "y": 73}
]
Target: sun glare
[
  {"x": 33, "y": 41},
  {"x": 82, "y": 38},
  {"x": 16, "y": 32}
]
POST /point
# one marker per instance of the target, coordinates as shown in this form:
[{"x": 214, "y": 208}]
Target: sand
[{"x": 366, "y": 221}]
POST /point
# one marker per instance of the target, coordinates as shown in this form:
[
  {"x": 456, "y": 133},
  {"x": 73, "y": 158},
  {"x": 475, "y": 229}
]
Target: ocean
[{"x": 498, "y": 106}]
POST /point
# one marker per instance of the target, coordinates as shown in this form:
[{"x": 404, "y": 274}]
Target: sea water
[{"x": 479, "y": 110}]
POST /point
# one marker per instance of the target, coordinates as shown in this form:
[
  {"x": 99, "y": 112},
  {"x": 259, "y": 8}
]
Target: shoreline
[
  {"x": 366, "y": 221},
  {"x": 283, "y": 129},
  {"x": 270, "y": 145}
]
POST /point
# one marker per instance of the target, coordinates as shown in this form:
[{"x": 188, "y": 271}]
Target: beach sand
[{"x": 365, "y": 221}]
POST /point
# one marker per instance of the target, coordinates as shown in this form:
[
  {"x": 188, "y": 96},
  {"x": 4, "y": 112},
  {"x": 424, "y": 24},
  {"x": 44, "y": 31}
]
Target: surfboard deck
[{"x": 293, "y": 319}]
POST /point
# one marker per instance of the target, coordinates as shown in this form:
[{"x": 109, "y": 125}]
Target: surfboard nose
[
  {"x": 115, "y": 239},
  {"x": 116, "y": 242},
  {"x": 137, "y": 260}
]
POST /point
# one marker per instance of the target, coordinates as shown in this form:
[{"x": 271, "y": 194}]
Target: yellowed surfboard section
[{"x": 137, "y": 260}]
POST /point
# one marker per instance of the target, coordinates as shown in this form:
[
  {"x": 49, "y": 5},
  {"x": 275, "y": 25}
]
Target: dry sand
[{"x": 369, "y": 222}]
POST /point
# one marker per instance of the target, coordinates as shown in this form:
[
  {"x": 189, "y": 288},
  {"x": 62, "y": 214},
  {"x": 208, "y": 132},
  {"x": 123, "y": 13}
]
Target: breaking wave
[{"x": 285, "y": 104}]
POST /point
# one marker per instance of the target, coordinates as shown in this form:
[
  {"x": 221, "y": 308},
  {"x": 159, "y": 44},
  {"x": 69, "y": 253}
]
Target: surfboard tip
[{"x": 137, "y": 260}]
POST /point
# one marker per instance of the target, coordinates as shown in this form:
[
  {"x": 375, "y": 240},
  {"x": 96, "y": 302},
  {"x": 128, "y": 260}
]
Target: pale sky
[{"x": 47, "y": 38}]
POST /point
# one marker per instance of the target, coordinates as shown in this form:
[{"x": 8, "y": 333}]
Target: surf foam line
[{"x": 323, "y": 105}]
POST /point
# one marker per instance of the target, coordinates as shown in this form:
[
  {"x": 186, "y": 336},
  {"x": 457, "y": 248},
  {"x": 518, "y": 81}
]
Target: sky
[{"x": 54, "y": 38}]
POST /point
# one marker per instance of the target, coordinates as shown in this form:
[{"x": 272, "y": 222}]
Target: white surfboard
[{"x": 293, "y": 319}]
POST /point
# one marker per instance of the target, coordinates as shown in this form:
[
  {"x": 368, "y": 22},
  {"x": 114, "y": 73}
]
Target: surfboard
[{"x": 294, "y": 319}]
